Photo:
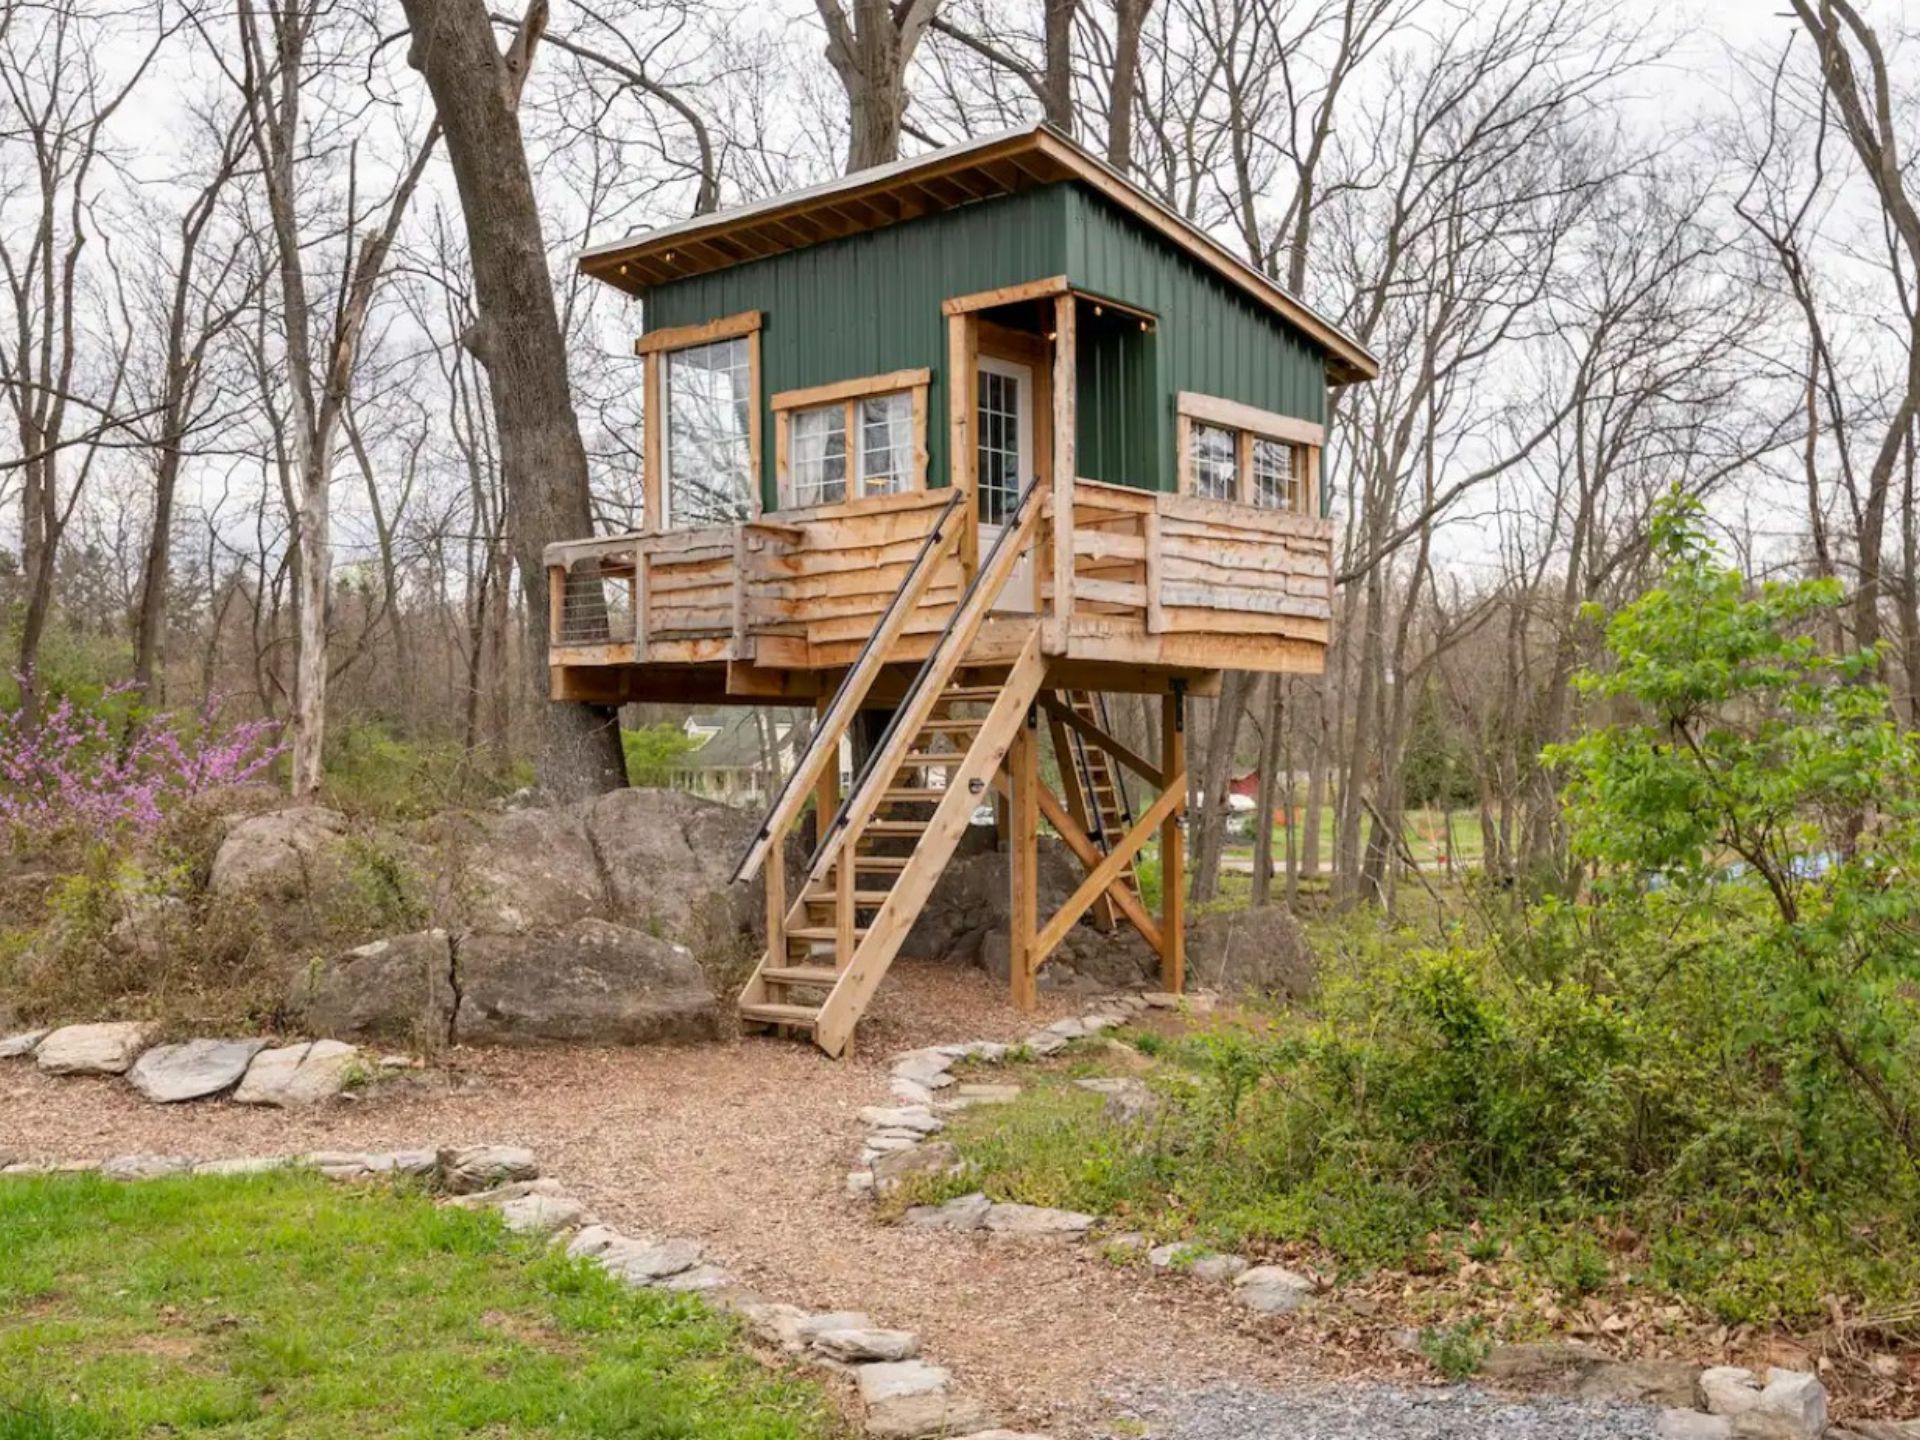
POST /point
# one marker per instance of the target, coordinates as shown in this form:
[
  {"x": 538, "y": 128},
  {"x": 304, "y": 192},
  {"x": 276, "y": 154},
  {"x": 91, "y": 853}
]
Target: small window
[
  {"x": 1215, "y": 471},
  {"x": 886, "y": 443},
  {"x": 853, "y": 440},
  {"x": 709, "y": 447},
  {"x": 818, "y": 450},
  {"x": 1276, "y": 474}
]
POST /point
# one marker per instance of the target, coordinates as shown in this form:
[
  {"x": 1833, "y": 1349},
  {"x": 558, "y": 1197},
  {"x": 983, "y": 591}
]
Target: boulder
[
  {"x": 936, "y": 1157},
  {"x": 1037, "y": 1222},
  {"x": 1729, "y": 1389},
  {"x": 1542, "y": 1365},
  {"x": 924, "y": 1416},
  {"x": 966, "y": 1212},
  {"x": 297, "y": 1075},
  {"x": 1252, "y": 952},
  {"x": 471, "y": 1169},
  {"x": 698, "y": 1280},
  {"x": 398, "y": 989},
  {"x": 1272, "y": 1289},
  {"x": 145, "y": 1167},
  {"x": 668, "y": 860},
  {"x": 890, "y": 1380},
  {"x": 21, "y": 1044},
  {"x": 648, "y": 1262},
  {"x": 275, "y": 855},
  {"x": 1671, "y": 1383},
  {"x": 592, "y": 981},
  {"x": 103, "y": 1049},
  {"x": 541, "y": 1214},
  {"x": 971, "y": 901},
  {"x": 865, "y": 1345},
  {"x": 167, "y": 1074},
  {"x": 1797, "y": 1397},
  {"x": 513, "y": 871},
  {"x": 1129, "y": 1100}
]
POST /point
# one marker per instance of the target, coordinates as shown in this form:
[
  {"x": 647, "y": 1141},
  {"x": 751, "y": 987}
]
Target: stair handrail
[
  {"x": 1012, "y": 525},
  {"x": 823, "y": 746}
]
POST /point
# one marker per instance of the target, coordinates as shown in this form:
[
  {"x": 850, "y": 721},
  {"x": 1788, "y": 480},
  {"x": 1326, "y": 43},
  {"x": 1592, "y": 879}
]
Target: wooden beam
[
  {"x": 962, "y": 356},
  {"x": 1024, "y": 865},
  {"x": 1108, "y": 870},
  {"x": 1089, "y": 856},
  {"x": 1235, "y": 416},
  {"x": 678, "y": 337},
  {"x": 1065, "y": 370},
  {"x": 850, "y": 389},
  {"x": 1128, "y": 757},
  {"x": 1004, "y": 295},
  {"x": 1173, "y": 852},
  {"x": 826, "y": 790},
  {"x": 654, "y": 419}
]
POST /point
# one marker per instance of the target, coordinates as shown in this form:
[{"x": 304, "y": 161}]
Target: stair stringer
[{"x": 833, "y": 1027}]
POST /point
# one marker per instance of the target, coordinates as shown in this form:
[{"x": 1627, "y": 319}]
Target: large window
[
  {"x": 709, "y": 439},
  {"x": 855, "y": 440},
  {"x": 1230, "y": 451}
]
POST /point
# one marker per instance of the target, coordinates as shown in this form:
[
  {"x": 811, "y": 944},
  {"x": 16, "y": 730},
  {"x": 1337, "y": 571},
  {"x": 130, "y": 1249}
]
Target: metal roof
[{"x": 993, "y": 165}]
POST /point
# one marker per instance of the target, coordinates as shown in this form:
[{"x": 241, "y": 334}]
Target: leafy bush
[
  {"x": 1703, "y": 1069},
  {"x": 654, "y": 753}
]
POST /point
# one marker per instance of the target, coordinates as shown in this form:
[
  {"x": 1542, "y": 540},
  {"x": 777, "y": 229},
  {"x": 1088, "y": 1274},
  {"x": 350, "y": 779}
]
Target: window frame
[
  {"x": 849, "y": 396},
  {"x": 1247, "y": 423},
  {"x": 656, "y": 348}
]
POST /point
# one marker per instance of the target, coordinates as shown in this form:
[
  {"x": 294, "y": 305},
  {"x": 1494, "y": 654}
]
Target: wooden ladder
[
  {"x": 1109, "y": 816},
  {"x": 900, "y": 823}
]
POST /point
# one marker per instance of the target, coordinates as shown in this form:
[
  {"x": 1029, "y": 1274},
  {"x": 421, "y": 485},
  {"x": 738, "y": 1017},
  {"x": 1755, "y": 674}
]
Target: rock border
[
  {"x": 251, "y": 1070},
  {"x": 903, "y": 1396},
  {"x": 1692, "y": 1402}
]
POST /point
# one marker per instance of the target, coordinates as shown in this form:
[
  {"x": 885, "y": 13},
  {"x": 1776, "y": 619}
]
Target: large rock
[
  {"x": 513, "y": 871},
  {"x": 1256, "y": 952},
  {"x": 297, "y": 1075},
  {"x": 398, "y": 989},
  {"x": 1272, "y": 1289},
  {"x": 668, "y": 860},
  {"x": 472, "y": 1169},
  {"x": 276, "y": 855},
  {"x": 191, "y": 1071},
  {"x": 104, "y": 1049},
  {"x": 592, "y": 981},
  {"x": 1671, "y": 1383},
  {"x": 21, "y": 1044}
]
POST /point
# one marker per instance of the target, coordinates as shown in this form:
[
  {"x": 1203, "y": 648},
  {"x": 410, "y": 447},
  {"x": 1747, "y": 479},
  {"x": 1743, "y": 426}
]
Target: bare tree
[{"x": 870, "y": 45}]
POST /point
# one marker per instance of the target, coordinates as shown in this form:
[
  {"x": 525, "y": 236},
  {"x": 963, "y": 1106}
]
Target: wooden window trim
[
  {"x": 653, "y": 349},
  {"x": 1248, "y": 423},
  {"x": 849, "y": 393},
  {"x": 1004, "y": 295},
  {"x": 680, "y": 337}
]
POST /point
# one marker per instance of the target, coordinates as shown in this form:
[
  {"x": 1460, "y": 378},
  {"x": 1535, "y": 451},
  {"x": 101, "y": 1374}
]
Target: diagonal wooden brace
[{"x": 1101, "y": 878}]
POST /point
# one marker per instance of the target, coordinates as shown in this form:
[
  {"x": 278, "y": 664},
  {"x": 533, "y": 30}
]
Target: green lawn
[{"x": 286, "y": 1305}]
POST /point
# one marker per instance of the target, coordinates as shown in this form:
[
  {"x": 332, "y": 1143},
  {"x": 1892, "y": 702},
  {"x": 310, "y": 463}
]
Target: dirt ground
[{"x": 746, "y": 1146}]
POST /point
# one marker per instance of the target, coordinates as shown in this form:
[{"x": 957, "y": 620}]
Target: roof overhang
[{"x": 995, "y": 165}]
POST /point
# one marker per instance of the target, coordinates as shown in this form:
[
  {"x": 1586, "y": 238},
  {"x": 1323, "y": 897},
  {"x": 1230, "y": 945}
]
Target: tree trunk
[
  {"x": 1129, "y": 20},
  {"x": 1210, "y": 826},
  {"x": 543, "y": 462}
]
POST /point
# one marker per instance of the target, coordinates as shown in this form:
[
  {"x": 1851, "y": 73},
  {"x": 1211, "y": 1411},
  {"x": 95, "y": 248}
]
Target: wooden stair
[{"x": 899, "y": 824}]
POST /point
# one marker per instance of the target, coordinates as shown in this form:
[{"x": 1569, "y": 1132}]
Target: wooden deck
[{"x": 1160, "y": 585}]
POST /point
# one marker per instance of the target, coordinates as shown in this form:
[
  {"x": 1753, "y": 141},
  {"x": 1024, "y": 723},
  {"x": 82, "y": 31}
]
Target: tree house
[{"x": 968, "y": 441}]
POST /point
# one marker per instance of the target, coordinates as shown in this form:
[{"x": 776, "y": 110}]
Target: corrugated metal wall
[
  {"x": 871, "y": 303},
  {"x": 1211, "y": 338}
]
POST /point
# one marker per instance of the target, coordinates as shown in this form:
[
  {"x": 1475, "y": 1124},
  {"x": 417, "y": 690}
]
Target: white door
[{"x": 1003, "y": 427}]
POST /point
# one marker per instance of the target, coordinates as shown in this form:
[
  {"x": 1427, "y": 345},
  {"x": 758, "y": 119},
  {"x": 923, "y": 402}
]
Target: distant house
[{"x": 739, "y": 757}]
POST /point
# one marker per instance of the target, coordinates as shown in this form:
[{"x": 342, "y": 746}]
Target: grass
[{"x": 284, "y": 1305}]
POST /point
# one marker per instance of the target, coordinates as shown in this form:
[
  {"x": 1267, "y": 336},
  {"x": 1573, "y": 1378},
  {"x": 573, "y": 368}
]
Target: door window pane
[
  {"x": 708, "y": 451},
  {"x": 1214, "y": 470},
  {"x": 999, "y": 459},
  {"x": 818, "y": 458}
]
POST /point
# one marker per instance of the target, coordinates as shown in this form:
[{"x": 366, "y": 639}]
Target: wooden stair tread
[
  {"x": 917, "y": 758},
  {"x": 971, "y": 692},
  {"x": 820, "y": 932},
  {"x": 822, "y": 975},
  {"x": 880, "y": 862},
  {"x": 895, "y": 827},
  {"x": 771, "y": 1014},
  {"x": 914, "y": 794},
  {"x": 948, "y": 722},
  {"x": 860, "y": 897}
]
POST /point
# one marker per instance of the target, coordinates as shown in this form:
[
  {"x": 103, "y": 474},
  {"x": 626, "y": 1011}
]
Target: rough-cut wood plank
[
  {"x": 849, "y": 389},
  {"x": 1241, "y": 598},
  {"x": 678, "y": 337},
  {"x": 1244, "y": 517},
  {"x": 956, "y": 305},
  {"x": 1023, "y": 769},
  {"x": 1249, "y": 419},
  {"x": 1113, "y": 592}
]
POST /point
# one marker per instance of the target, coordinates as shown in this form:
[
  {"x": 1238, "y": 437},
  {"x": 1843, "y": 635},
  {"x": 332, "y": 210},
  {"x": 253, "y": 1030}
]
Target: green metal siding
[
  {"x": 871, "y": 303},
  {"x": 1212, "y": 338}
]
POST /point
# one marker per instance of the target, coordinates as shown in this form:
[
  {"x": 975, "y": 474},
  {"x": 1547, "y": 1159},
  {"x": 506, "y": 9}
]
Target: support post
[
  {"x": 1173, "y": 854},
  {"x": 1023, "y": 768},
  {"x": 843, "y": 908},
  {"x": 826, "y": 792},
  {"x": 1065, "y": 384}
]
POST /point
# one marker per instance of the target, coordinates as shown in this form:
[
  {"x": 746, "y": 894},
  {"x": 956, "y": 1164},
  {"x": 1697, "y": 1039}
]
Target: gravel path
[
  {"x": 746, "y": 1146},
  {"x": 1361, "y": 1411}
]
